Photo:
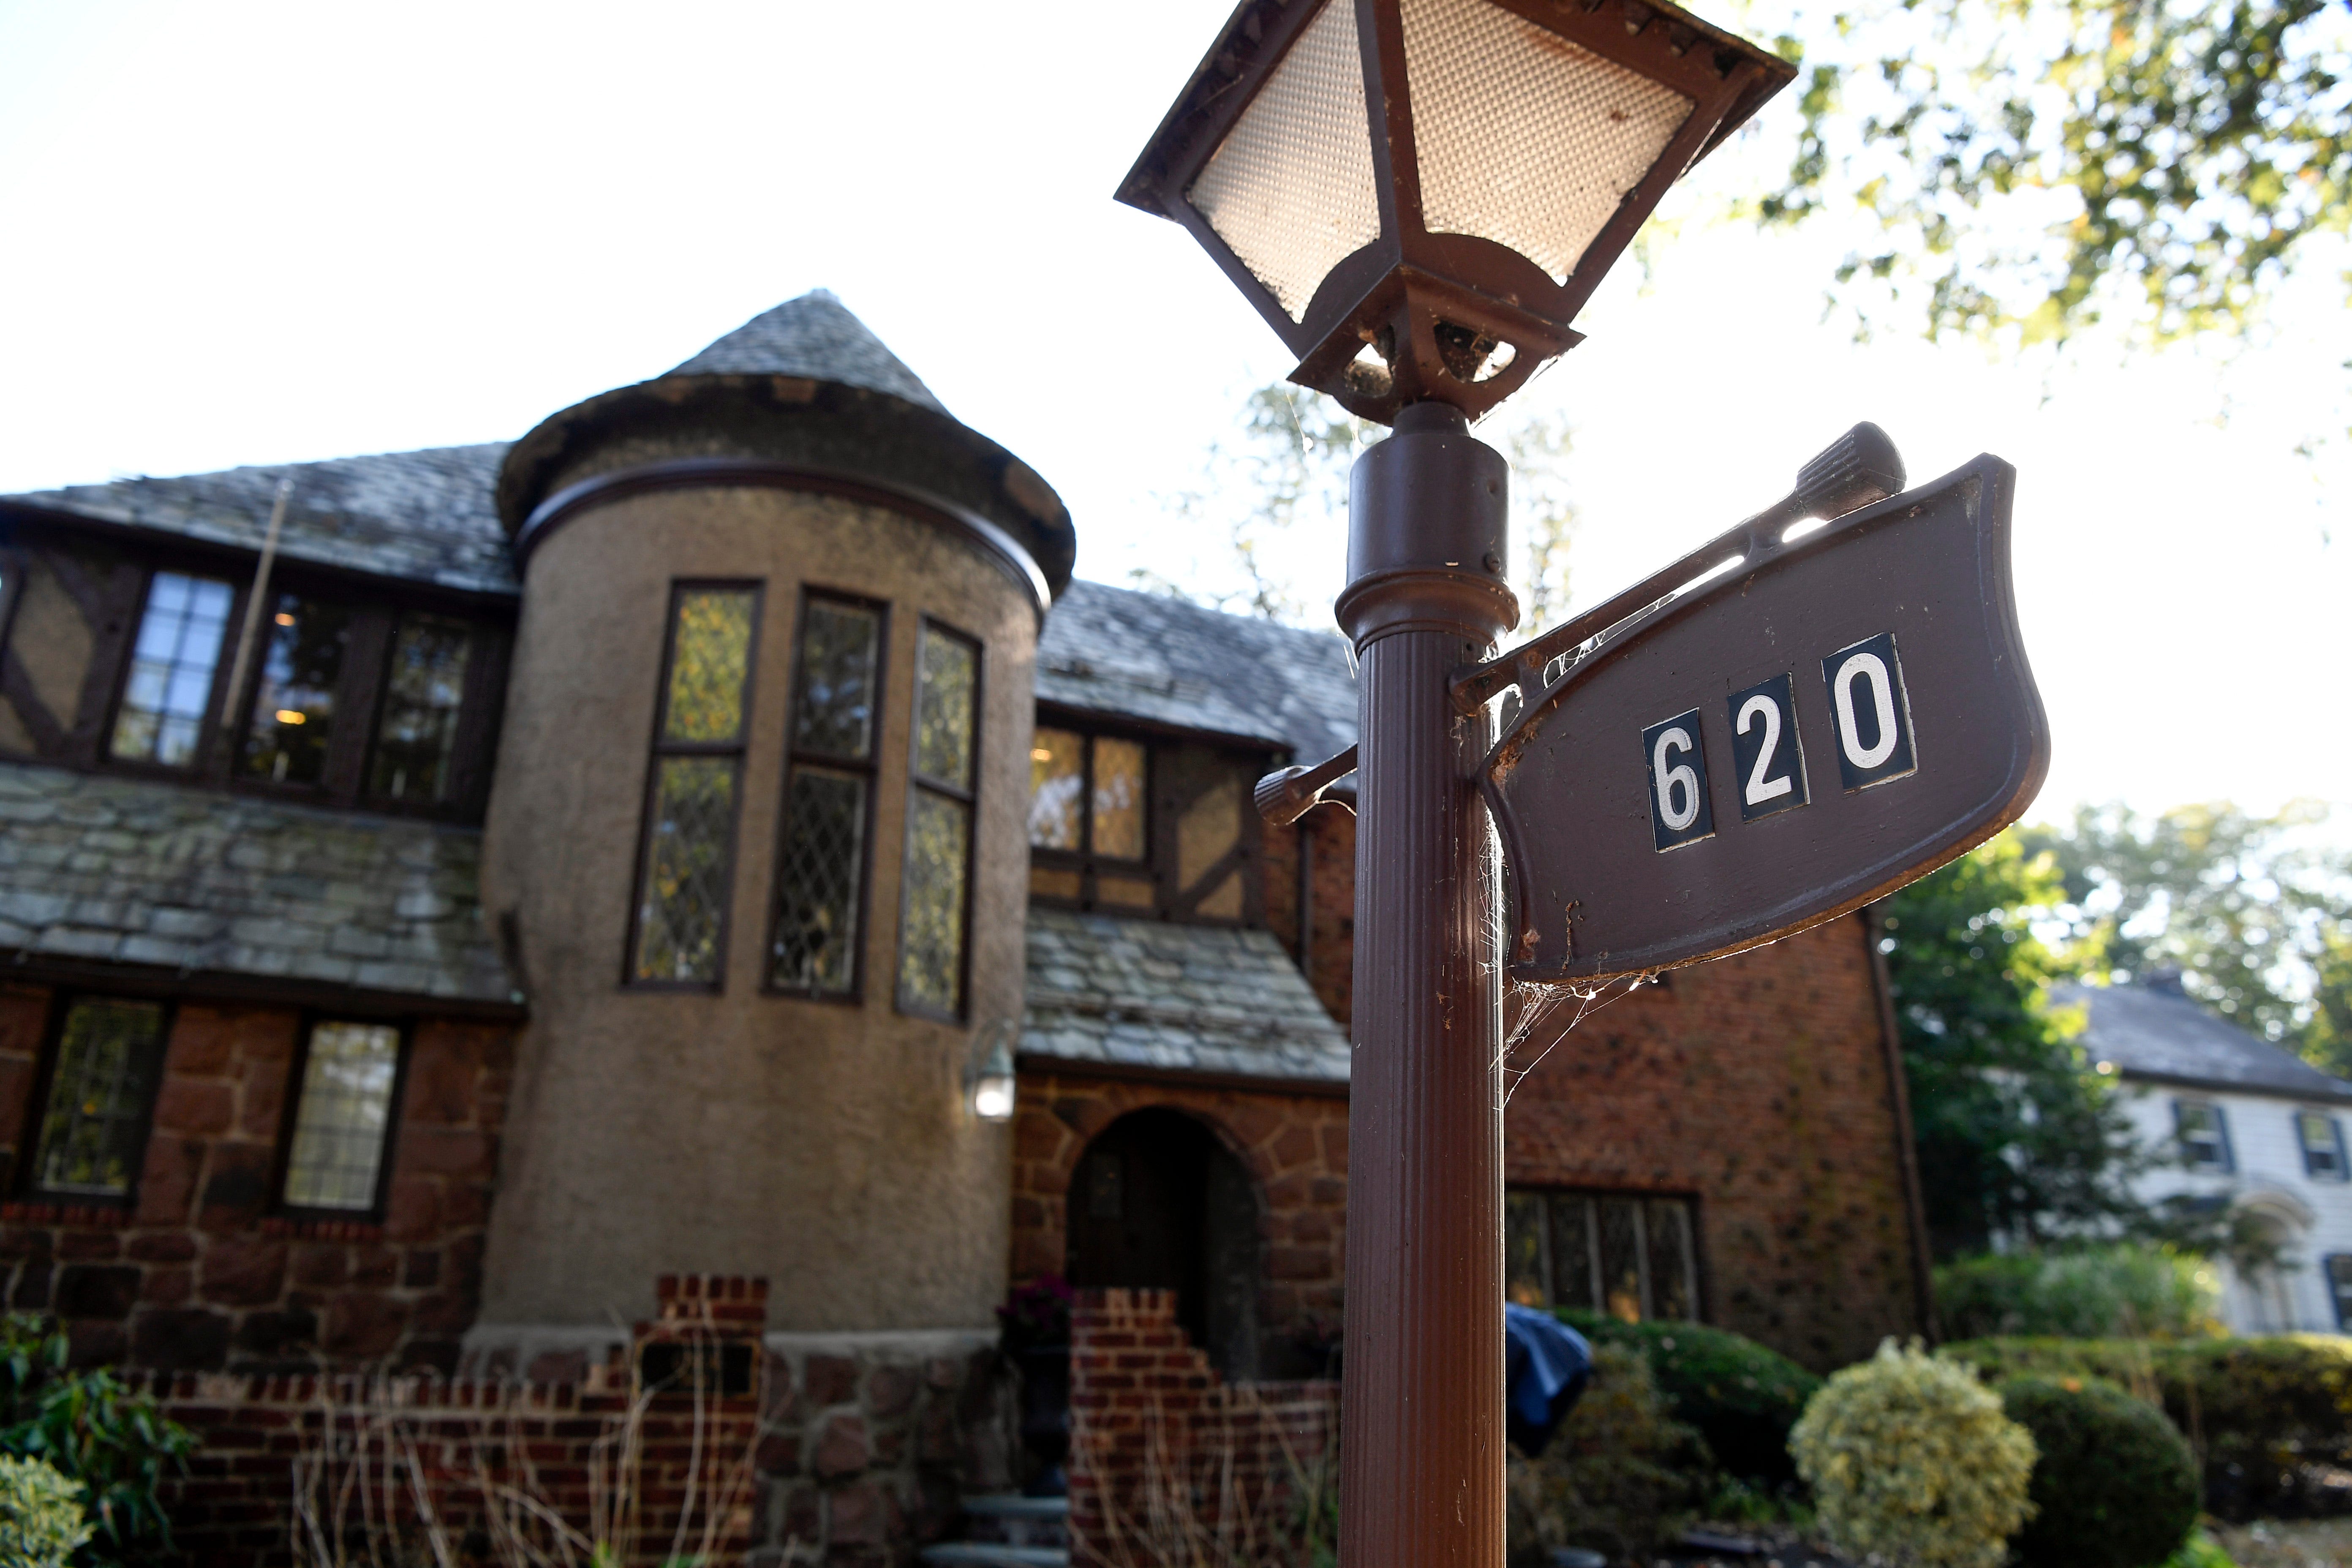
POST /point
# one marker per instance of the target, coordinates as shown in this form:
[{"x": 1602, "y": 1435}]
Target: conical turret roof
[{"x": 813, "y": 336}]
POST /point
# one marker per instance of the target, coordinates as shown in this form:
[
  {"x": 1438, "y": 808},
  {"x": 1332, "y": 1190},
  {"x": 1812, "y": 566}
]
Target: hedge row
[
  {"x": 1742, "y": 1397},
  {"x": 2261, "y": 1413}
]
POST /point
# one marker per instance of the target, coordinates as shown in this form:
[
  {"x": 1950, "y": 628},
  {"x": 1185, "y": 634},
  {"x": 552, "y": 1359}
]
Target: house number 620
[{"x": 1869, "y": 711}]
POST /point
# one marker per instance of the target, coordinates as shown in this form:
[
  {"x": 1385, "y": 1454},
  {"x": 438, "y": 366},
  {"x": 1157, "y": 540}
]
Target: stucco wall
[{"x": 742, "y": 1132}]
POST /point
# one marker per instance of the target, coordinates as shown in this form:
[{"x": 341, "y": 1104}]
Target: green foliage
[
  {"x": 1620, "y": 1476},
  {"x": 1911, "y": 1458},
  {"x": 2115, "y": 1485},
  {"x": 2200, "y": 1551},
  {"x": 2257, "y": 1411},
  {"x": 2015, "y": 1132},
  {"x": 94, "y": 1430},
  {"x": 1738, "y": 1395},
  {"x": 2255, "y": 914},
  {"x": 2128, "y": 1289},
  {"x": 2034, "y": 164},
  {"x": 41, "y": 1517}
]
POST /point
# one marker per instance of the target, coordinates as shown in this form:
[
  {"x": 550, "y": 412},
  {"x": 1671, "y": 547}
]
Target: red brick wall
[
  {"x": 1295, "y": 1148},
  {"x": 1166, "y": 1459},
  {"x": 1760, "y": 1085},
  {"x": 200, "y": 1274}
]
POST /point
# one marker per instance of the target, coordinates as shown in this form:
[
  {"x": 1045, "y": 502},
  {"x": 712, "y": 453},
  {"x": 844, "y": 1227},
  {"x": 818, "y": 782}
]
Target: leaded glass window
[
  {"x": 685, "y": 870},
  {"x": 342, "y": 1117},
  {"x": 1634, "y": 1258},
  {"x": 424, "y": 695},
  {"x": 110, "y": 1061},
  {"x": 821, "y": 853},
  {"x": 1089, "y": 825},
  {"x": 162, "y": 716},
  {"x": 932, "y": 938},
  {"x": 292, "y": 724}
]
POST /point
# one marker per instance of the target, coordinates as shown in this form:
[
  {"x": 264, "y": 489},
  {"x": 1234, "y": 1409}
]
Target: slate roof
[
  {"x": 1182, "y": 998},
  {"x": 2151, "y": 1032},
  {"x": 147, "y": 873},
  {"x": 426, "y": 516},
  {"x": 1149, "y": 656},
  {"x": 814, "y": 336}
]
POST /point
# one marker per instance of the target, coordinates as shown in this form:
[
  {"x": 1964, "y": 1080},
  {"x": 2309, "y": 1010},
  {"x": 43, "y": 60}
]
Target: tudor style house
[
  {"x": 2235, "y": 1121},
  {"x": 444, "y": 893}
]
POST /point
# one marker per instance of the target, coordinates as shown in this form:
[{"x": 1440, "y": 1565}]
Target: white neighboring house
[{"x": 2237, "y": 1121}]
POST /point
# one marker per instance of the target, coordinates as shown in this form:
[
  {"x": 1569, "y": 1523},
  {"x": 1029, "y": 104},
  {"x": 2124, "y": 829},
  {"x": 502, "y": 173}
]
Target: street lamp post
[{"x": 1419, "y": 195}]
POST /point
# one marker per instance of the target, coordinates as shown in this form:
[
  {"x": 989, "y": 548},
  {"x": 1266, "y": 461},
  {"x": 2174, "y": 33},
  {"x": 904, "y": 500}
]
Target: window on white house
[
  {"x": 2321, "y": 1138},
  {"x": 340, "y": 1121},
  {"x": 2204, "y": 1135},
  {"x": 1632, "y": 1256},
  {"x": 2339, "y": 1288}
]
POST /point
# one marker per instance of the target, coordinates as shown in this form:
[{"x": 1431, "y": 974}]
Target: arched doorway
[{"x": 1157, "y": 1203}]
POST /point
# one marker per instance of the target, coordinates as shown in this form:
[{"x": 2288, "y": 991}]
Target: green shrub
[
  {"x": 1911, "y": 1458},
  {"x": 1741, "y": 1397},
  {"x": 2259, "y": 1412},
  {"x": 2115, "y": 1485},
  {"x": 1620, "y": 1475},
  {"x": 2126, "y": 1290},
  {"x": 41, "y": 1517},
  {"x": 92, "y": 1429}
]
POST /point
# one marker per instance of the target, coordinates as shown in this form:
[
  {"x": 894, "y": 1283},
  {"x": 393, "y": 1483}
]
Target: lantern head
[{"x": 1420, "y": 195}]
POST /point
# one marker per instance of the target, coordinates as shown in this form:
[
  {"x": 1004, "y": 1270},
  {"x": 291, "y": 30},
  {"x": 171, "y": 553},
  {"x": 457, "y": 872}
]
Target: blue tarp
[{"x": 1545, "y": 1365}]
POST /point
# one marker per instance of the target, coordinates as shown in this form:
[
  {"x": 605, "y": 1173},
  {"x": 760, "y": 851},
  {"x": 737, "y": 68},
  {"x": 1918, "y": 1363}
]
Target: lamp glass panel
[
  {"x": 1290, "y": 188},
  {"x": 1523, "y": 137}
]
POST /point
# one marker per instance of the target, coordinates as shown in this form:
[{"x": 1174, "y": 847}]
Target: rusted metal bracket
[
  {"x": 1858, "y": 469},
  {"x": 1288, "y": 794}
]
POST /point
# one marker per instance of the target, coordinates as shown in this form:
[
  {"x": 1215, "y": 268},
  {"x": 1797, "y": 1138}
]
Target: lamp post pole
[{"x": 1422, "y": 1401}]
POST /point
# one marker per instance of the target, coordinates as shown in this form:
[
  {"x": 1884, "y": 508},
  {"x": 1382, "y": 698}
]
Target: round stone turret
[{"x": 757, "y": 846}]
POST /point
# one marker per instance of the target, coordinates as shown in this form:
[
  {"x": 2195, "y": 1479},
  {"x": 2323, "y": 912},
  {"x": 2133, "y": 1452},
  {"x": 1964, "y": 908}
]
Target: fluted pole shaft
[{"x": 1422, "y": 1405}]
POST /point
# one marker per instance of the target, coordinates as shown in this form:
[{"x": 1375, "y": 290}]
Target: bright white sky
[{"x": 244, "y": 234}]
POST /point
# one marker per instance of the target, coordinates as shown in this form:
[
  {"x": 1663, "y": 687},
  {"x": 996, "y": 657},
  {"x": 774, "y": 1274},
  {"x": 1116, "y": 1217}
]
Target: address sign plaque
[{"x": 1773, "y": 746}]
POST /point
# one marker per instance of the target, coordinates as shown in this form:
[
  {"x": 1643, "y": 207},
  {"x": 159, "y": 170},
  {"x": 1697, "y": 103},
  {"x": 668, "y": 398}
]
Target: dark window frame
[
  {"x": 282, "y": 1163},
  {"x": 2340, "y": 1292},
  {"x": 657, "y": 748},
  {"x": 378, "y": 605},
  {"x": 2226, "y": 1161},
  {"x": 1089, "y": 865},
  {"x": 207, "y": 765},
  {"x": 1694, "y": 1211},
  {"x": 2336, "y": 1131},
  {"x": 870, "y": 768},
  {"x": 27, "y": 1184},
  {"x": 966, "y": 796}
]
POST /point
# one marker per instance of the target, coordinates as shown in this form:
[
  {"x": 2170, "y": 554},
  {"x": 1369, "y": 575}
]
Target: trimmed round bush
[
  {"x": 2115, "y": 1485},
  {"x": 1742, "y": 1397},
  {"x": 1911, "y": 1458},
  {"x": 41, "y": 1518}
]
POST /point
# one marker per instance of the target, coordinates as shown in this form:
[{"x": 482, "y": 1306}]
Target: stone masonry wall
[
  {"x": 1167, "y": 1459},
  {"x": 1295, "y": 1148},
  {"x": 1759, "y": 1086},
  {"x": 843, "y": 1456},
  {"x": 199, "y": 1273}
]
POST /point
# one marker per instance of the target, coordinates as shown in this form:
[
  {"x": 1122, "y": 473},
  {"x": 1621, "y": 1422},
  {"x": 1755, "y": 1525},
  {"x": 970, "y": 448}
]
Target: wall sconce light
[{"x": 989, "y": 1082}]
